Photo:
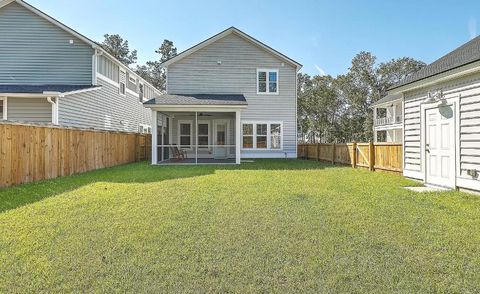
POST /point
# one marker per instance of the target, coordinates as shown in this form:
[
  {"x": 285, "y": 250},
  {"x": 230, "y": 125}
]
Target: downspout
[{"x": 54, "y": 109}]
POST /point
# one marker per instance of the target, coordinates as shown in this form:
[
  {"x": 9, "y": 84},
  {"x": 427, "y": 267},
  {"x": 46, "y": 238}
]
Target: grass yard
[{"x": 268, "y": 226}]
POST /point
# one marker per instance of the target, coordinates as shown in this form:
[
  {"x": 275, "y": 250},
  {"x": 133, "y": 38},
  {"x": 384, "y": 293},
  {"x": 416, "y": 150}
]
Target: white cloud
[
  {"x": 472, "y": 27},
  {"x": 320, "y": 70}
]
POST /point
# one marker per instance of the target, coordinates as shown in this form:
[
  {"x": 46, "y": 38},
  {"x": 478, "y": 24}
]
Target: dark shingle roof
[
  {"x": 198, "y": 99},
  {"x": 463, "y": 55},
  {"x": 388, "y": 98},
  {"x": 39, "y": 89}
]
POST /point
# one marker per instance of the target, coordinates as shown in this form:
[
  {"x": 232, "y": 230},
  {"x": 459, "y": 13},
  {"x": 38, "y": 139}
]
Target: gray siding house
[
  {"x": 441, "y": 127},
  {"x": 228, "y": 97},
  {"x": 51, "y": 74}
]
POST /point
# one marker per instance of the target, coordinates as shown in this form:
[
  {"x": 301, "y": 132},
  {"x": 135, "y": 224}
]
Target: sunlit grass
[{"x": 269, "y": 226}]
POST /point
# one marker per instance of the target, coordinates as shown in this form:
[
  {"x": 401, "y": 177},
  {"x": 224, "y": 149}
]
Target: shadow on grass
[{"x": 14, "y": 197}]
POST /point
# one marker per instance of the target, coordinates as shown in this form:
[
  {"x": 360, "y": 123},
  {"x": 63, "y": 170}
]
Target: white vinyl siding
[
  {"x": 468, "y": 89},
  {"x": 200, "y": 73}
]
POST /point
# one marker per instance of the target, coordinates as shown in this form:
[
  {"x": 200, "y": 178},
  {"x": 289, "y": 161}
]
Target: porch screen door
[{"x": 220, "y": 150}]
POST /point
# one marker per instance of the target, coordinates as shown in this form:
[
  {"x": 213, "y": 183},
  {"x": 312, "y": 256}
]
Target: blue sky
[{"x": 322, "y": 35}]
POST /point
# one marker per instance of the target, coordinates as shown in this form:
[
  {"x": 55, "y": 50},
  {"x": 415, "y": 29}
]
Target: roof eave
[{"x": 453, "y": 73}]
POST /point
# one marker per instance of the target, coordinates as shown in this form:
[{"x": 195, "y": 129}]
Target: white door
[
  {"x": 440, "y": 146},
  {"x": 220, "y": 140}
]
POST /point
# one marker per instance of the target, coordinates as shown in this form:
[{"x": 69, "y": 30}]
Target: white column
[
  {"x": 196, "y": 137},
  {"x": 238, "y": 137},
  {"x": 54, "y": 102},
  {"x": 154, "y": 137}
]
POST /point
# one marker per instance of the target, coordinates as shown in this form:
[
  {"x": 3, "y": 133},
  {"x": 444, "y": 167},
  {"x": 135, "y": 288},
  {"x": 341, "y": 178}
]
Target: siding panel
[
  {"x": 34, "y": 51},
  {"x": 103, "y": 109},
  {"x": 37, "y": 110}
]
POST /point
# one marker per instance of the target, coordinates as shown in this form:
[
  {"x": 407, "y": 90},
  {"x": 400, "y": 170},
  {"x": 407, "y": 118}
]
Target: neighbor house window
[
  {"x": 267, "y": 81},
  {"x": 122, "y": 82},
  {"x": 140, "y": 92},
  {"x": 185, "y": 134},
  {"x": 262, "y": 135},
  {"x": 203, "y": 135},
  {"x": 3, "y": 108}
]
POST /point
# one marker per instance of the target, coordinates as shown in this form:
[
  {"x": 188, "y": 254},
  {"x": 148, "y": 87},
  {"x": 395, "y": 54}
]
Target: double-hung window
[
  {"x": 262, "y": 135},
  {"x": 203, "y": 134},
  {"x": 267, "y": 81},
  {"x": 185, "y": 134},
  {"x": 140, "y": 92},
  {"x": 3, "y": 108},
  {"x": 122, "y": 82}
]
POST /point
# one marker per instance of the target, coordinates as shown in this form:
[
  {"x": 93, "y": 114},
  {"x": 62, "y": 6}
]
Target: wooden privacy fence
[
  {"x": 30, "y": 152},
  {"x": 374, "y": 156}
]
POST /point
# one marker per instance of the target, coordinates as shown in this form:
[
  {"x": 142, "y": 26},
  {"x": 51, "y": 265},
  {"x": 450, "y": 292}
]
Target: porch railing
[
  {"x": 390, "y": 120},
  {"x": 196, "y": 154}
]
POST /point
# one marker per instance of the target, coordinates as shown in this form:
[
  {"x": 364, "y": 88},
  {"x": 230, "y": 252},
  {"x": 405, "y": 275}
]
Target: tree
[
  {"x": 153, "y": 71},
  {"x": 340, "y": 108},
  {"x": 118, "y": 48}
]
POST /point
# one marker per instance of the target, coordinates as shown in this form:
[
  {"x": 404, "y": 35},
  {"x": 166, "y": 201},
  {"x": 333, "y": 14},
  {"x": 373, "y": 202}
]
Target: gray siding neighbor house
[
  {"x": 228, "y": 97},
  {"x": 441, "y": 127},
  {"x": 51, "y": 74}
]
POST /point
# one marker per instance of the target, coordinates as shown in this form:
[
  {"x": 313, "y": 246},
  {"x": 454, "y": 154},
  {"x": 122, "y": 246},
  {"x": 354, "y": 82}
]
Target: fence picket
[{"x": 32, "y": 152}]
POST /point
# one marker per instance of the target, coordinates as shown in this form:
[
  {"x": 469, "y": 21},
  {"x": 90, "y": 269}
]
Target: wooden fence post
[
  {"x": 306, "y": 151},
  {"x": 318, "y": 151},
  {"x": 354, "y": 154},
  {"x": 333, "y": 153},
  {"x": 371, "y": 156}
]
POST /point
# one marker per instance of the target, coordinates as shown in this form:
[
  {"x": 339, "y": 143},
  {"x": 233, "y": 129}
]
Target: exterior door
[
  {"x": 220, "y": 140},
  {"x": 440, "y": 146}
]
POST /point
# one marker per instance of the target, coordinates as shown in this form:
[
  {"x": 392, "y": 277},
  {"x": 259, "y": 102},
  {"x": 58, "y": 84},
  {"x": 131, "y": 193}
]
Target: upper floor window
[
  {"x": 122, "y": 82},
  {"x": 140, "y": 92},
  {"x": 267, "y": 81}
]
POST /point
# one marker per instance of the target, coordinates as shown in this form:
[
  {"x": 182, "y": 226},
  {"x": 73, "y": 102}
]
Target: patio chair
[{"x": 178, "y": 154}]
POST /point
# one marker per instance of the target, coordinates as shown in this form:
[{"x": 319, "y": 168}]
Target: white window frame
[
  {"x": 120, "y": 83},
  {"x": 131, "y": 79},
  {"x": 209, "y": 140},
  {"x": 269, "y": 135},
  {"x": 143, "y": 93},
  {"x": 4, "y": 101},
  {"x": 180, "y": 122},
  {"x": 268, "y": 71}
]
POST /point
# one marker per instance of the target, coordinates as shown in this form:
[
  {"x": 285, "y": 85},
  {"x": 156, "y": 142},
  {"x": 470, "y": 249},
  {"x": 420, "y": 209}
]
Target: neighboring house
[
  {"x": 229, "y": 97},
  {"x": 49, "y": 73},
  {"x": 442, "y": 120},
  {"x": 388, "y": 119}
]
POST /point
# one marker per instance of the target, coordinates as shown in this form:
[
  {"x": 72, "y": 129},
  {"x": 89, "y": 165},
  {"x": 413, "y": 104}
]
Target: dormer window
[{"x": 267, "y": 81}]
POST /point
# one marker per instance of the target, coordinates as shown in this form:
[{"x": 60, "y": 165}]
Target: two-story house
[
  {"x": 388, "y": 119},
  {"x": 51, "y": 74},
  {"x": 228, "y": 97}
]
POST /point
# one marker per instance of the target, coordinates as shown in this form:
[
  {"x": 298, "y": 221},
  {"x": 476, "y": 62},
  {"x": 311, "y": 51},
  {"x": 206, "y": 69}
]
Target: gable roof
[
  {"x": 198, "y": 99},
  {"x": 463, "y": 55},
  {"x": 95, "y": 45},
  {"x": 231, "y": 30}
]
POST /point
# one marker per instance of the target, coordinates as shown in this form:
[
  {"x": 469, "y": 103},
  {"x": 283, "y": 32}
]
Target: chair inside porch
[{"x": 189, "y": 138}]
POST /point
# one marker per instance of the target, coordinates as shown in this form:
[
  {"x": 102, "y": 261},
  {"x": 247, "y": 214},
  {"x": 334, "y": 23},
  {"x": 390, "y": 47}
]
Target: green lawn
[{"x": 269, "y": 226}]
